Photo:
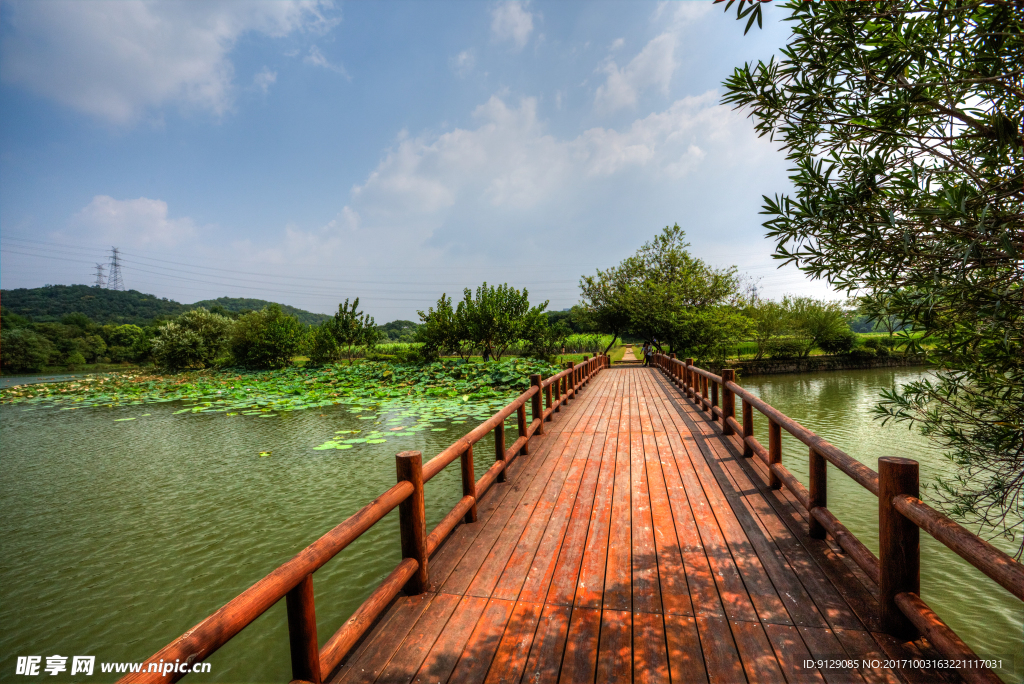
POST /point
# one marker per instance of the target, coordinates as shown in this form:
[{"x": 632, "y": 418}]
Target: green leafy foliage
[
  {"x": 491, "y": 321},
  {"x": 194, "y": 340},
  {"x": 25, "y": 351},
  {"x": 663, "y": 293},
  {"x": 53, "y": 302},
  {"x": 902, "y": 122},
  {"x": 352, "y": 328},
  {"x": 241, "y": 305},
  {"x": 266, "y": 339},
  {"x": 494, "y": 318}
]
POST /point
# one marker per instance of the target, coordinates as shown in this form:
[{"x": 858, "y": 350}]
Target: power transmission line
[
  {"x": 101, "y": 279},
  {"x": 114, "y": 281}
]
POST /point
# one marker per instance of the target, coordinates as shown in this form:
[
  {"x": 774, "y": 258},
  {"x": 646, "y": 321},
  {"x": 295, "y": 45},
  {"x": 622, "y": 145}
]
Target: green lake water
[{"x": 119, "y": 535}]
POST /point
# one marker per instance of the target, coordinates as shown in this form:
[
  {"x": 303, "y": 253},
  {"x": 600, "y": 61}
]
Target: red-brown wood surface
[{"x": 632, "y": 543}]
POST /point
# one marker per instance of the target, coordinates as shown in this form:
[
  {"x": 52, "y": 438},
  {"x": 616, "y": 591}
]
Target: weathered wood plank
[
  {"x": 410, "y": 655},
  {"x": 618, "y": 574},
  {"x": 444, "y": 654},
  {"x": 685, "y": 660},
  {"x": 365, "y": 664},
  {"x": 483, "y": 643},
  {"x": 650, "y": 655},
  {"x": 581, "y": 648},
  {"x": 510, "y": 658},
  {"x": 615, "y": 655},
  {"x": 545, "y": 660},
  {"x": 791, "y": 652},
  {"x": 721, "y": 659}
]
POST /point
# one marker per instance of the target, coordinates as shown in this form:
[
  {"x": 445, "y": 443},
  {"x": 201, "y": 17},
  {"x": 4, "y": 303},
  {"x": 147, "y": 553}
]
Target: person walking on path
[{"x": 647, "y": 353}]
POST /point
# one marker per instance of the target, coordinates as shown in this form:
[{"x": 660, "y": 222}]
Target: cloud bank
[{"x": 117, "y": 60}]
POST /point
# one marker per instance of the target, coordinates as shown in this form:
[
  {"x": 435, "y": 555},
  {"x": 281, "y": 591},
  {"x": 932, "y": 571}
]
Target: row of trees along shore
[{"x": 662, "y": 293}]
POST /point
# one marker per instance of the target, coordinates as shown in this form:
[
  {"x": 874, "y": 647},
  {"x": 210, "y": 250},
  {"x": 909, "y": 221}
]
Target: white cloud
[
  {"x": 317, "y": 58},
  {"x": 264, "y": 79},
  {"x": 651, "y": 68},
  {"x": 135, "y": 222},
  {"x": 510, "y": 166},
  {"x": 118, "y": 59},
  {"x": 463, "y": 63},
  {"x": 510, "y": 21}
]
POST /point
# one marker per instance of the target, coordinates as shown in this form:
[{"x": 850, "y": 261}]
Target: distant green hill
[
  {"x": 51, "y": 303},
  {"x": 237, "y": 304}
]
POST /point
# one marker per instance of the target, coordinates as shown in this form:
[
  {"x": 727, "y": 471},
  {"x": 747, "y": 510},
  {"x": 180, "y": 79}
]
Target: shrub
[
  {"x": 873, "y": 343},
  {"x": 75, "y": 359},
  {"x": 193, "y": 340},
  {"x": 126, "y": 342},
  {"x": 863, "y": 353},
  {"x": 786, "y": 348},
  {"x": 321, "y": 345},
  {"x": 837, "y": 342},
  {"x": 24, "y": 350},
  {"x": 266, "y": 339}
]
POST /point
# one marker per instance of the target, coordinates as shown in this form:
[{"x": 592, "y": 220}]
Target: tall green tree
[
  {"x": 665, "y": 294},
  {"x": 353, "y": 328},
  {"x": 496, "y": 317},
  {"x": 266, "y": 339},
  {"x": 195, "y": 339},
  {"x": 902, "y": 123}
]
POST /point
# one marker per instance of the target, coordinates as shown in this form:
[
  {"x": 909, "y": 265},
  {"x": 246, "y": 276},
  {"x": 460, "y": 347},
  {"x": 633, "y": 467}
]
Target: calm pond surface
[
  {"x": 838, "y": 406},
  {"x": 119, "y": 535}
]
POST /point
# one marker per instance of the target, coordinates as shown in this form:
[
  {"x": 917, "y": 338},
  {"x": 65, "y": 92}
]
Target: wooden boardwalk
[{"x": 634, "y": 543}]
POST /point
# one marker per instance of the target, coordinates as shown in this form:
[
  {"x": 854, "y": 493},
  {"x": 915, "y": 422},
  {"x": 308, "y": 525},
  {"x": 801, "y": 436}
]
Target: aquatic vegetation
[{"x": 433, "y": 393}]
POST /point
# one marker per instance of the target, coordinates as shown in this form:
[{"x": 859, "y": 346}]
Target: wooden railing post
[
  {"x": 714, "y": 400},
  {"x": 558, "y": 394},
  {"x": 302, "y": 632},
  {"x": 536, "y": 405},
  {"x": 586, "y": 369},
  {"x": 412, "y": 519},
  {"x": 728, "y": 400},
  {"x": 688, "y": 379},
  {"x": 703, "y": 393},
  {"x": 774, "y": 453},
  {"x": 817, "y": 492},
  {"x": 899, "y": 544},
  {"x": 469, "y": 482},
  {"x": 499, "y": 448},
  {"x": 521, "y": 419},
  {"x": 748, "y": 427},
  {"x": 571, "y": 377},
  {"x": 547, "y": 401}
]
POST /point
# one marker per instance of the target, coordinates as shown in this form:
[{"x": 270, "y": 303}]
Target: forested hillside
[
  {"x": 239, "y": 304},
  {"x": 53, "y": 302}
]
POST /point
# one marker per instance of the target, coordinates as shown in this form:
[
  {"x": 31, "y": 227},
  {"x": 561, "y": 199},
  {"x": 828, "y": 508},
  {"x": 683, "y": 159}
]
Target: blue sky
[{"x": 305, "y": 152}]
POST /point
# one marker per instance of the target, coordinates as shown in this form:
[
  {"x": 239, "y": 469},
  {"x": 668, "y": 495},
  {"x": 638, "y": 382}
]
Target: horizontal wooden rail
[
  {"x": 944, "y": 639},
  {"x": 338, "y": 646},
  {"x": 199, "y": 642},
  {"x": 216, "y": 630},
  {"x": 861, "y": 554},
  {"x": 999, "y": 566},
  {"x": 860, "y": 473},
  {"x": 901, "y": 513}
]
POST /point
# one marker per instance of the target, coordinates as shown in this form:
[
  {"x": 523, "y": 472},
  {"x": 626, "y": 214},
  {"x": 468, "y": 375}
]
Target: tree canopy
[
  {"x": 902, "y": 123},
  {"x": 664, "y": 294}
]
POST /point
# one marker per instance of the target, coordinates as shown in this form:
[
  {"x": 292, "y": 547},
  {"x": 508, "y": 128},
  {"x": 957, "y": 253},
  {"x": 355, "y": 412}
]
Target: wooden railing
[
  {"x": 293, "y": 581},
  {"x": 901, "y": 514}
]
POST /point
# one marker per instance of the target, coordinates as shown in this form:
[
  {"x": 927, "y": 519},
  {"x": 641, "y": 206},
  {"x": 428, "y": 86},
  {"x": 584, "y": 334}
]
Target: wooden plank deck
[{"x": 634, "y": 543}]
